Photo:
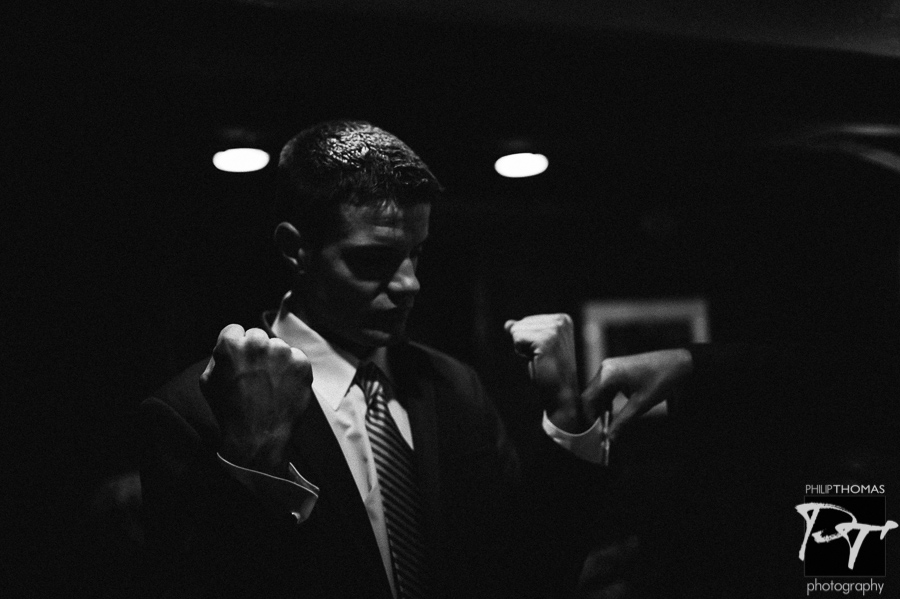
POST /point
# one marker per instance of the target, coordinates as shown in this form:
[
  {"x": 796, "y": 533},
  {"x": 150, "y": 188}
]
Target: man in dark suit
[{"x": 324, "y": 455}]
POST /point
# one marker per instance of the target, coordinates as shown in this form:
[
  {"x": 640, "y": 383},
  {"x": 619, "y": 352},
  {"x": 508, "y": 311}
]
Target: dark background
[{"x": 682, "y": 164}]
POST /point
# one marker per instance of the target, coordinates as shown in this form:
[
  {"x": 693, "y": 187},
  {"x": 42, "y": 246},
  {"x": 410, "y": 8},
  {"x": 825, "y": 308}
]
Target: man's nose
[{"x": 404, "y": 281}]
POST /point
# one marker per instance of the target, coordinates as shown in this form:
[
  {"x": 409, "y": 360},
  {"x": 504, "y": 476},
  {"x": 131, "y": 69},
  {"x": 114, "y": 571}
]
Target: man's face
[{"x": 362, "y": 285}]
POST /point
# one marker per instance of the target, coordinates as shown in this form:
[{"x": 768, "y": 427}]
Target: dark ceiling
[
  {"x": 650, "y": 85},
  {"x": 868, "y": 26}
]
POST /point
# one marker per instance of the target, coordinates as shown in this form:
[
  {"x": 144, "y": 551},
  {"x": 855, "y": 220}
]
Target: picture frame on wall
[{"x": 613, "y": 328}]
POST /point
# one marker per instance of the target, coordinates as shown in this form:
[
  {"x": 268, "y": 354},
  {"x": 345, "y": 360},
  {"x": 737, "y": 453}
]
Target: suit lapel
[
  {"x": 318, "y": 457},
  {"x": 339, "y": 510}
]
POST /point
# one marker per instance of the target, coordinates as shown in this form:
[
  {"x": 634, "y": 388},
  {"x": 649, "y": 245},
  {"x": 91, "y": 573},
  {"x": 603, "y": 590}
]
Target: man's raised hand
[
  {"x": 256, "y": 387},
  {"x": 548, "y": 342}
]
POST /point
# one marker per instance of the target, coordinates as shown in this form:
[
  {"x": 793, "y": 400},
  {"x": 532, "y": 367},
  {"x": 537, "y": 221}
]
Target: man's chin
[
  {"x": 381, "y": 338},
  {"x": 362, "y": 341}
]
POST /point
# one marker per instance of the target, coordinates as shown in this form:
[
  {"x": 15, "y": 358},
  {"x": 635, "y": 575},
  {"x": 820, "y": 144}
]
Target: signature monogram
[{"x": 810, "y": 511}]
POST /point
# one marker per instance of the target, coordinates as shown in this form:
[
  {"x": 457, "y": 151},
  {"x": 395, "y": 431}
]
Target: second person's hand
[{"x": 646, "y": 379}]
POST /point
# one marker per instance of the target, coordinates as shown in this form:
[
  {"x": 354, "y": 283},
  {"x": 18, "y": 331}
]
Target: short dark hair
[{"x": 339, "y": 163}]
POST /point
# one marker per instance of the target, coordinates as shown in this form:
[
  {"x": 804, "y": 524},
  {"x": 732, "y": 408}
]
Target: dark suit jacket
[{"x": 488, "y": 538}]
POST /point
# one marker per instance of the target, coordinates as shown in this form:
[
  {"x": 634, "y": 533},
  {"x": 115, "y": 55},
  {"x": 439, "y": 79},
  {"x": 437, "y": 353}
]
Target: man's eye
[{"x": 372, "y": 264}]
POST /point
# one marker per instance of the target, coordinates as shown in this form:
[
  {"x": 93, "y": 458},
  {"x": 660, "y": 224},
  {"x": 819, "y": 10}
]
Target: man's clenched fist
[
  {"x": 548, "y": 342},
  {"x": 256, "y": 387}
]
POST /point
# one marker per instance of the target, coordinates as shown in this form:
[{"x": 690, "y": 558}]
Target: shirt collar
[{"x": 333, "y": 367}]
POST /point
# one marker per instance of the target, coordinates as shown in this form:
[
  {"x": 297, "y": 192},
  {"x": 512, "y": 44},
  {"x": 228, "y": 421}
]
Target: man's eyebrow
[
  {"x": 374, "y": 243},
  {"x": 374, "y": 247},
  {"x": 378, "y": 243}
]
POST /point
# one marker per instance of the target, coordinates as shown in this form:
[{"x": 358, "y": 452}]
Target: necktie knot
[{"x": 372, "y": 382}]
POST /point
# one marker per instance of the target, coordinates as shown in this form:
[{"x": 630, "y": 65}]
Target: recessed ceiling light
[
  {"x": 522, "y": 164},
  {"x": 241, "y": 160}
]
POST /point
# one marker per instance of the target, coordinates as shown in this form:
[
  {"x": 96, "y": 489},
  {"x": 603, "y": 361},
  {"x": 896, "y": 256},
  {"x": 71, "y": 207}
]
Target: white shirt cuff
[
  {"x": 590, "y": 445},
  {"x": 296, "y": 494}
]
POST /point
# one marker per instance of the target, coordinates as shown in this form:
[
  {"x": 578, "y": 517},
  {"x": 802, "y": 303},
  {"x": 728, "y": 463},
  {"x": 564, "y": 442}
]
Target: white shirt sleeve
[
  {"x": 295, "y": 493},
  {"x": 590, "y": 445}
]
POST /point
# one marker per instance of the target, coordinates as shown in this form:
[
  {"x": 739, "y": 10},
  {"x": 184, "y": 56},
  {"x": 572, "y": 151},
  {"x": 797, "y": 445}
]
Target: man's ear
[{"x": 292, "y": 247}]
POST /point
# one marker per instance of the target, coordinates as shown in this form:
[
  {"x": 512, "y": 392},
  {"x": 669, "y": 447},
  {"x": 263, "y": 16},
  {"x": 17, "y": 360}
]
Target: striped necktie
[{"x": 400, "y": 493}]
